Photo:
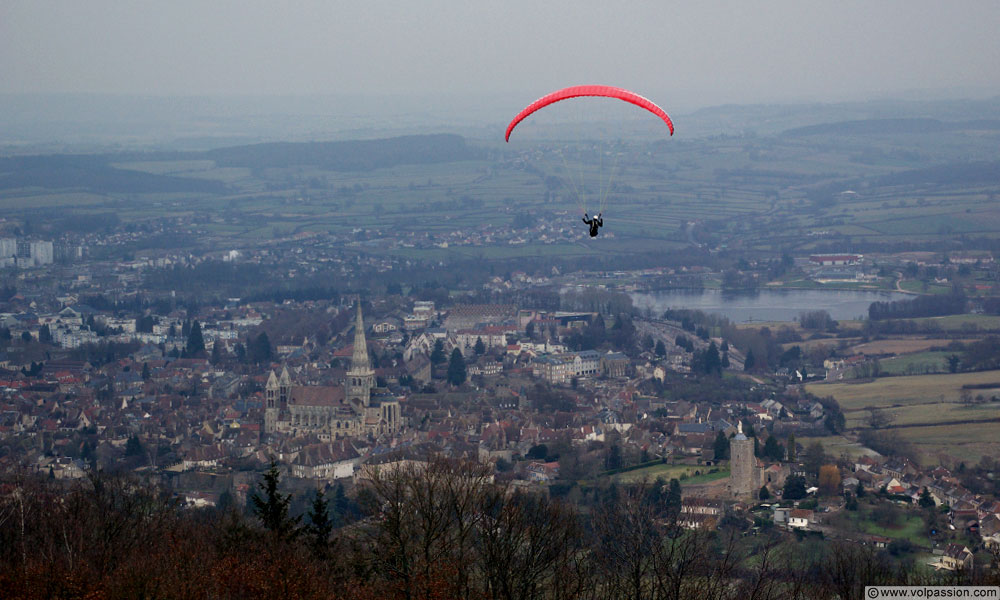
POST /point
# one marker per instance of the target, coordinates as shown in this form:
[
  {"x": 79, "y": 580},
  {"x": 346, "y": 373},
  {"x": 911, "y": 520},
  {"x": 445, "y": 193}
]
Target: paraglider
[
  {"x": 579, "y": 91},
  {"x": 595, "y": 223}
]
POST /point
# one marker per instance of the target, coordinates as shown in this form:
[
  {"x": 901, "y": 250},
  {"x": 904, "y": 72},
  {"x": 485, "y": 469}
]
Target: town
[{"x": 558, "y": 393}]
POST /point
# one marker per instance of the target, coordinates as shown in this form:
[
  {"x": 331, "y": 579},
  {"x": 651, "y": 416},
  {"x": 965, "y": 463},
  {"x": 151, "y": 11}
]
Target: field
[
  {"x": 668, "y": 472},
  {"x": 893, "y": 391},
  {"x": 909, "y": 527},
  {"x": 837, "y": 446},
  {"x": 901, "y": 346},
  {"x": 928, "y": 411},
  {"x": 916, "y": 363}
]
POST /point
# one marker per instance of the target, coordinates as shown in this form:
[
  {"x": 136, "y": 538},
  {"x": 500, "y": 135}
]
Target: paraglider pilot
[{"x": 595, "y": 223}]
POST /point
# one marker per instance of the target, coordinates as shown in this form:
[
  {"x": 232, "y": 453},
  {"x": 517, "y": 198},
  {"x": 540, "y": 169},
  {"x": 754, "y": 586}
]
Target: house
[
  {"x": 955, "y": 557},
  {"x": 326, "y": 461},
  {"x": 700, "y": 513},
  {"x": 800, "y": 518}
]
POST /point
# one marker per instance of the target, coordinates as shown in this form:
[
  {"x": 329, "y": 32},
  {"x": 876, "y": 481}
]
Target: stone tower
[
  {"x": 361, "y": 376},
  {"x": 744, "y": 482},
  {"x": 276, "y": 394}
]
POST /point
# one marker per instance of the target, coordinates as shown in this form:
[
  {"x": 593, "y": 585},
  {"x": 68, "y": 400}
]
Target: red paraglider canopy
[{"x": 590, "y": 90}]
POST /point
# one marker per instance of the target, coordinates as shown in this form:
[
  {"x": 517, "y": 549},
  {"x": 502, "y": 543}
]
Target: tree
[
  {"x": 814, "y": 458},
  {"x": 795, "y": 488},
  {"x": 195, "y": 341},
  {"x": 216, "y": 357},
  {"x": 859, "y": 491},
  {"x": 480, "y": 348},
  {"x": 456, "y": 368},
  {"x": 133, "y": 447},
  {"x": 145, "y": 371},
  {"x": 750, "y": 362},
  {"x": 529, "y": 330},
  {"x": 829, "y": 479},
  {"x": 953, "y": 362},
  {"x": 790, "y": 447},
  {"x": 773, "y": 450},
  {"x": 437, "y": 354},
  {"x": 272, "y": 509},
  {"x": 320, "y": 526},
  {"x": 538, "y": 452},
  {"x": 260, "y": 349},
  {"x": 878, "y": 418},
  {"x": 44, "y": 334},
  {"x": 721, "y": 446},
  {"x": 763, "y": 494},
  {"x": 926, "y": 500},
  {"x": 661, "y": 350},
  {"x": 674, "y": 496},
  {"x": 713, "y": 364}
]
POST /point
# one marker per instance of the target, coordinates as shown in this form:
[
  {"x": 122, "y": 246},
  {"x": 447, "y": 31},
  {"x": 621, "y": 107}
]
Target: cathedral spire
[{"x": 359, "y": 360}]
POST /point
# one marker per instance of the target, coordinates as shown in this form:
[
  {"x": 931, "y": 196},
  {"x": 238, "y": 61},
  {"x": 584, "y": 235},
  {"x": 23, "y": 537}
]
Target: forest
[{"x": 436, "y": 528}]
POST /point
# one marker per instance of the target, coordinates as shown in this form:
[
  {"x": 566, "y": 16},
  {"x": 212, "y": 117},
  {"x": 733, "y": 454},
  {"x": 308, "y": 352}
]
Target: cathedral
[{"x": 332, "y": 412}]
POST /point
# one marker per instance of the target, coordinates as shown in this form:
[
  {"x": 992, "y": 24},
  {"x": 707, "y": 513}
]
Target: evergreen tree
[
  {"x": 45, "y": 334},
  {"x": 480, "y": 348},
  {"x": 795, "y": 488},
  {"x": 216, "y": 358},
  {"x": 661, "y": 350},
  {"x": 320, "y": 526},
  {"x": 790, "y": 448},
  {"x": 725, "y": 360},
  {"x": 437, "y": 355},
  {"x": 859, "y": 491},
  {"x": 260, "y": 349},
  {"x": 764, "y": 494},
  {"x": 721, "y": 446},
  {"x": 750, "y": 362},
  {"x": 456, "y": 368},
  {"x": 674, "y": 497},
  {"x": 272, "y": 509},
  {"x": 341, "y": 505},
  {"x": 773, "y": 450},
  {"x": 133, "y": 447},
  {"x": 926, "y": 500},
  {"x": 145, "y": 371},
  {"x": 195, "y": 341},
  {"x": 713, "y": 364}
]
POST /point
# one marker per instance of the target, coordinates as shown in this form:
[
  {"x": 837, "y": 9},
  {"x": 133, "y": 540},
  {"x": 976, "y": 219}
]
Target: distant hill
[
  {"x": 93, "y": 172},
  {"x": 892, "y": 126},
  {"x": 971, "y": 173},
  {"x": 356, "y": 155}
]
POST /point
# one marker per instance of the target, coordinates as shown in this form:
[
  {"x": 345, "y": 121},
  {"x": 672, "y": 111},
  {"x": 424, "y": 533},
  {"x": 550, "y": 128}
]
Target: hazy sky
[{"x": 691, "y": 51}]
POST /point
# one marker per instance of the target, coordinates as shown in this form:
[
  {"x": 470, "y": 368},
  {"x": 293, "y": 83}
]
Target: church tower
[
  {"x": 272, "y": 404},
  {"x": 284, "y": 386},
  {"x": 361, "y": 376}
]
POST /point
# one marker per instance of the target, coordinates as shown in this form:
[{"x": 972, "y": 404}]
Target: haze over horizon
[
  {"x": 102, "y": 71},
  {"x": 686, "y": 55}
]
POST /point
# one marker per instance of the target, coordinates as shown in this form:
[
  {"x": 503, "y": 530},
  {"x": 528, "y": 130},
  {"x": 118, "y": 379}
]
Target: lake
[{"x": 766, "y": 304}]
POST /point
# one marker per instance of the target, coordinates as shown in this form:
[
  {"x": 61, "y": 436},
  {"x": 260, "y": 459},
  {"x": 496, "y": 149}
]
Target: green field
[
  {"x": 909, "y": 527},
  {"x": 668, "y": 472},
  {"x": 917, "y": 363}
]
